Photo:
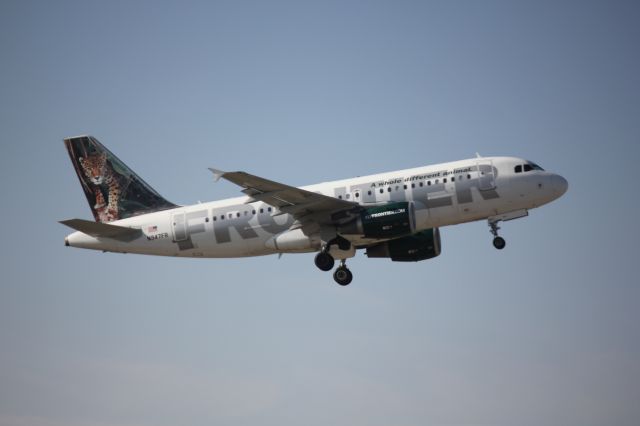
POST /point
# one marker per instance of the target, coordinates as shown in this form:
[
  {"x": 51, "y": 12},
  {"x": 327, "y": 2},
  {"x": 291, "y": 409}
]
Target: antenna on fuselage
[{"x": 478, "y": 155}]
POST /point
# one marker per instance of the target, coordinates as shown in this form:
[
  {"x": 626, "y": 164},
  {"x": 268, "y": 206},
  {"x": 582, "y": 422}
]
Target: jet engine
[
  {"x": 387, "y": 221},
  {"x": 419, "y": 246}
]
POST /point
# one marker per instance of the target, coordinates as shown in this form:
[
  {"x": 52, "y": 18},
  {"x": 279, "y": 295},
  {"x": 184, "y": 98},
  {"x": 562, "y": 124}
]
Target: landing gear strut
[
  {"x": 498, "y": 241},
  {"x": 342, "y": 274}
]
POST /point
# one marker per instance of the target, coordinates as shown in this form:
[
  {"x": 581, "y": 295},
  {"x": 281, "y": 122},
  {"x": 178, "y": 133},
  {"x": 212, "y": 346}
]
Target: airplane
[{"x": 395, "y": 215}]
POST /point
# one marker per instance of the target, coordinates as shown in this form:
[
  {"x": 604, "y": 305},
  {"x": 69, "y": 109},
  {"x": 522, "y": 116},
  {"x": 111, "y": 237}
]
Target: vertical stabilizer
[{"x": 113, "y": 190}]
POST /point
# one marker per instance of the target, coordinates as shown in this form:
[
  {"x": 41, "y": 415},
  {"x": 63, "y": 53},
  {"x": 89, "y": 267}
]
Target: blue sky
[{"x": 543, "y": 332}]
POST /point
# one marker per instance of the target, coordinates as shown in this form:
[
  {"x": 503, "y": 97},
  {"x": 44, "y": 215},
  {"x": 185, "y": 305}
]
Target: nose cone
[{"x": 559, "y": 184}]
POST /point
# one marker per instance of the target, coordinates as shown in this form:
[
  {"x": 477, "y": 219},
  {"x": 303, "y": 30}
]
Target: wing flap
[{"x": 102, "y": 230}]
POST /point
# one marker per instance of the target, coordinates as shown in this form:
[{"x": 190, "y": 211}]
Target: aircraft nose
[{"x": 559, "y": 184}]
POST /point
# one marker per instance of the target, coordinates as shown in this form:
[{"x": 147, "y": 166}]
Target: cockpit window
[
  {"x": 535, "y": 166},
  {"x": 527, "y": 167}
]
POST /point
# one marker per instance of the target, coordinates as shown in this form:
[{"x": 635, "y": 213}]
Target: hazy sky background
[{"x": 545, "y": 332}]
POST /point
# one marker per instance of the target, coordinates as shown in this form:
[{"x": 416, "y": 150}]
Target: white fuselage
[{"x": 443, "y": 194}]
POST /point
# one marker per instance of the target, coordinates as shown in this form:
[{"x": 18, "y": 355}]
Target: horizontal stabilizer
[{"x": 102, "y": 230}]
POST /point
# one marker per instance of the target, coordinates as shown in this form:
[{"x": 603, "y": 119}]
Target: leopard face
[{"x": 94, "y": 167}]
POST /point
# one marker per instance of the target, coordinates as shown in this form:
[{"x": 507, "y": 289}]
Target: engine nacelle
[
  {"x": 420, "y": 246},
  {"x": 388, "y": 221},
  {"x": 294, "y": 241}
]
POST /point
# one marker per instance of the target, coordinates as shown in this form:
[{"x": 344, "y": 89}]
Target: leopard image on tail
[{"x": 99, "y": 173}]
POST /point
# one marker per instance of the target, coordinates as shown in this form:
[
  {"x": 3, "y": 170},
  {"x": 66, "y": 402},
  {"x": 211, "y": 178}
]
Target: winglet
[{"x": 217, "y": 174}]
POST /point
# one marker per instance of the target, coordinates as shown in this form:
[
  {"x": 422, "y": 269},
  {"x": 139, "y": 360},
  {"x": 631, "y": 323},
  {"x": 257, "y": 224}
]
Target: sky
[{"x": 544, "y": 332}]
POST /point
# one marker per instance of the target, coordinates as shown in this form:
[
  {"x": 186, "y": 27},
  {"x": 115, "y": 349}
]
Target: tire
[
  {"x": 324, "y": 261},
  {"x": 343, "y": 276},
  {"x": 499, "y": 243}
]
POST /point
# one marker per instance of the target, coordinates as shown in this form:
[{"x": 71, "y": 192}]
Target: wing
[{"x": 288, "y": 199}]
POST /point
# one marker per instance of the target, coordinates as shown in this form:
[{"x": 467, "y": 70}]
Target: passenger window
[
  {"x": 253, "y": 212},
  {"x": 421, "y": 184},
  {"x": 389, "y": 189},
  {"x": 340, "y": 197},
  {"x": 381, "y": 191},
  {"x": 405, "y": 187},
  {"x": 369, "y": 192},
  {"x": 444, "y": 180},
  {"x": 346, "y": 196},
  {"x": 413, "y": 185},
  {"x": 437, "y": 180},
  {"x": 468, "y": 176},
  {"x": 269, "y": 209},
  {"x": 215, "y": 218},
  {"x": 261, "y": 210},
  {"x": 453, "y": 179},
  {"x": 238, "y": 214},
  {"x": 519, "y": 168},
  {"x": 357, "y": 195},
  {"x": 221, "y": 217}
]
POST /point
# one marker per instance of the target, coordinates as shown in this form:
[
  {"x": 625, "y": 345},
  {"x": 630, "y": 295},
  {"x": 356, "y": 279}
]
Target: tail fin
[{"x": 113, "y": 190}]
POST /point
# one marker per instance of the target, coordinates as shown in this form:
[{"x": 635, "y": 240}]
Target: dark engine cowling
[
  {"x": 388, "y": 221},
  {"x": 420, "y": 246}
]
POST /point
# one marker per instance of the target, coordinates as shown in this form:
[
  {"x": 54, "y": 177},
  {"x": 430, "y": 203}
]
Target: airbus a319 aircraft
[{"x": 394, "y": 215}]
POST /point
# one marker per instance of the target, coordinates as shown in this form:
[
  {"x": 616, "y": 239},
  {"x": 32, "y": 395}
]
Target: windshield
[
  {"x": 534, "y": 166},
  {"x": 527, "y": 167}
]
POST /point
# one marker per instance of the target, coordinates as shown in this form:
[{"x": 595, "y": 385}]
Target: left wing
[{"x": 288, "y": 199}]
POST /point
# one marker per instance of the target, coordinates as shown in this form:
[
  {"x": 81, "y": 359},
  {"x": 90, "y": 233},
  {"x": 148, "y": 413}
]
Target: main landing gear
[
  {"x": 325, "y": 262},
  {"x": 498, "y": 241}
]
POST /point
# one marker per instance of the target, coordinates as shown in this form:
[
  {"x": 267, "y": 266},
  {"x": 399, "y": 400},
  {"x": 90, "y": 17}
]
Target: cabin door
[{"x": 486, "y": 175}]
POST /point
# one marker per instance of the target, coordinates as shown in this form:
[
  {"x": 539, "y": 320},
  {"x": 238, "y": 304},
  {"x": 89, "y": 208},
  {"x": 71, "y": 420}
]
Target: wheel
[
  {"x": 324, "y": 261},
  {"x": 343, "y": 276},
  {"x": 499, "y": 243}
]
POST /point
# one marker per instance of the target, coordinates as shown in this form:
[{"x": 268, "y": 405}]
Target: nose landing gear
[{"x": 498, "y": 241}]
